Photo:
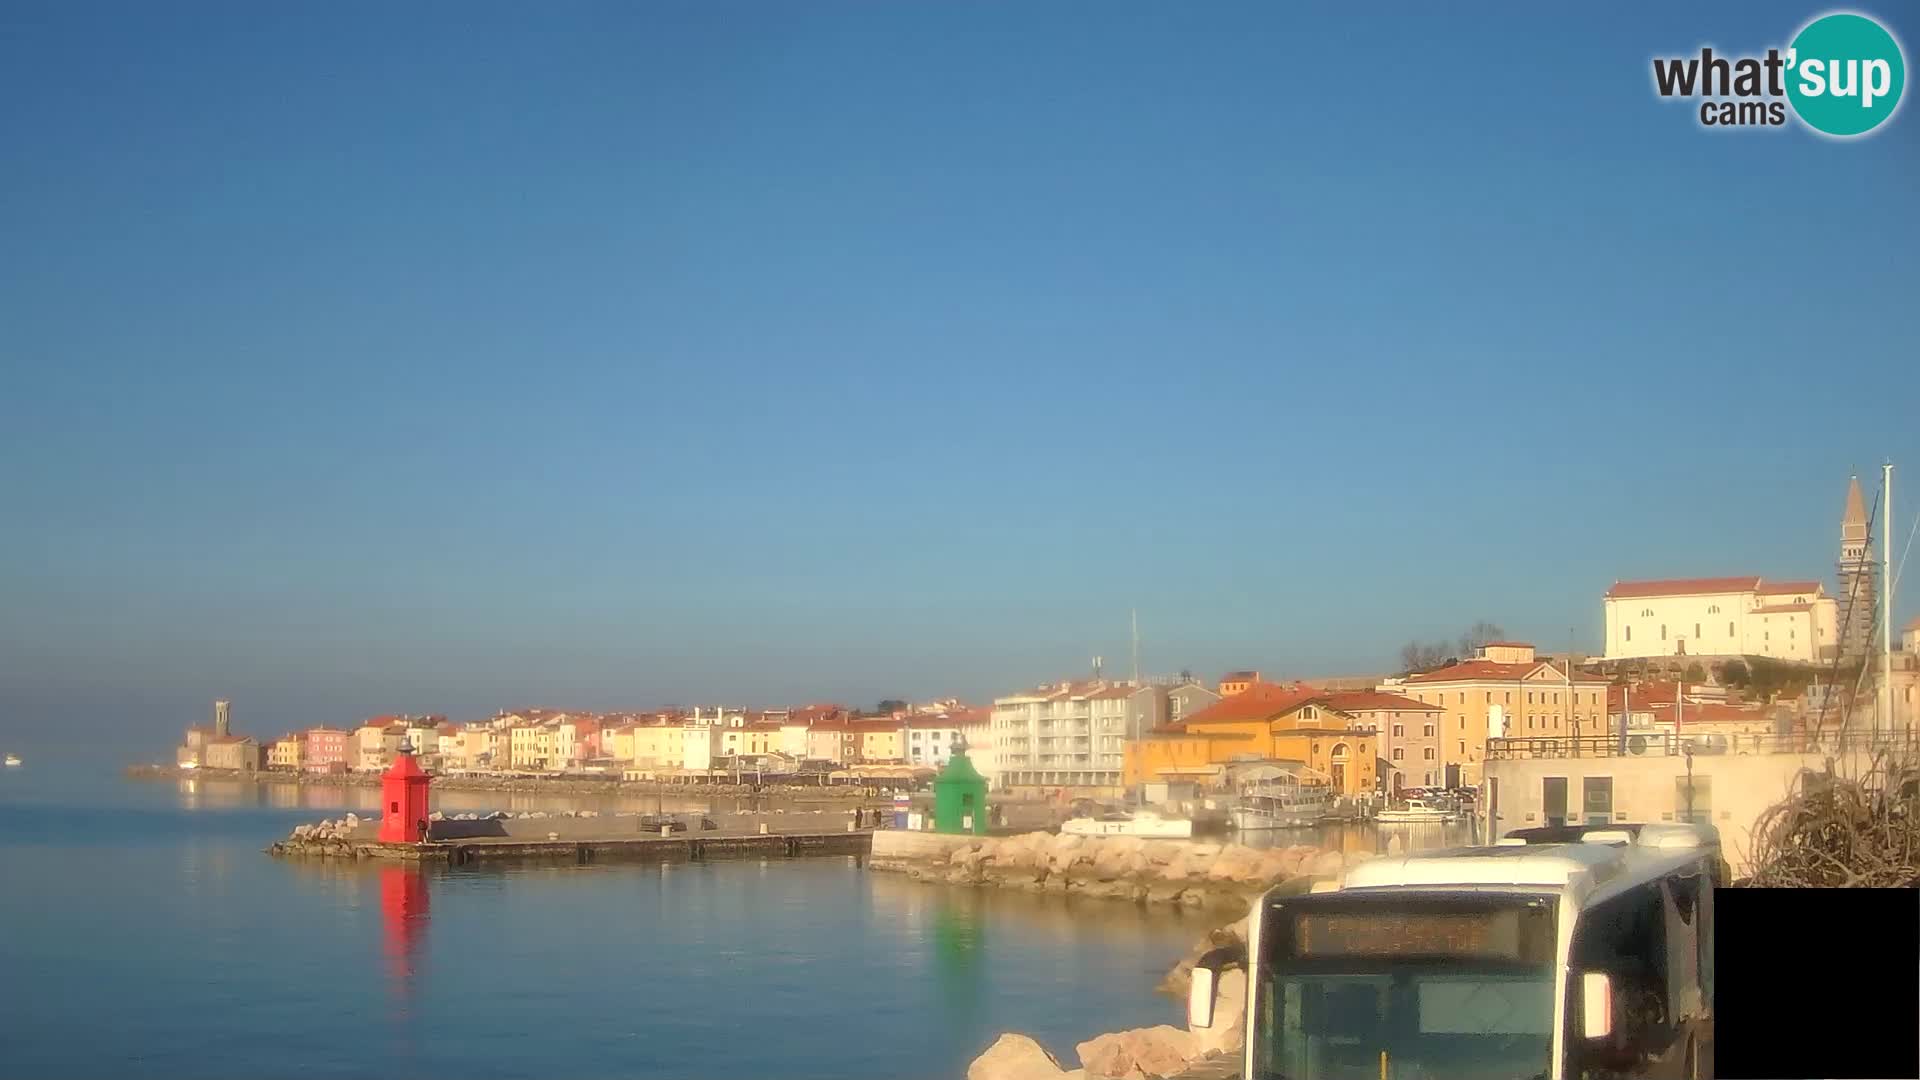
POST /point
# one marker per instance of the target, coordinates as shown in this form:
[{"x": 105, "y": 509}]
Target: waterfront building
[
  {"x": 878, "y": 740},
  {"x": 701, "y": 744},
  {"x": 793, "y": 740},
  {"x": 1546, "y": 781},
  {"x": 1408, "y": 730},
  {"x": 1719, "y": 617},
  {"x": 829, "y": 740},
  {"x": 192, "y": 751},
  {"x": 288, "y": 753},
  {"x": 1264, "y": 722},
  {"x": 239, "y": 753},
  {"x": 754, "y": 738},
  {"x": 931, "y": 737},
  {"x": 1504, "y": 691},
  {"x": 1163, "y": 701},
  {"x": 1066, "y": 735},
  {"x": 659, "y": 745},
  {"x": 370, "y": 746},
  {"x": 447, "y": 744},
  {"x": 329, "y": 750}
]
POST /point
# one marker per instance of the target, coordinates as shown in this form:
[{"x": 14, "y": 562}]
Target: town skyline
[{"x": 893, "y": 355}]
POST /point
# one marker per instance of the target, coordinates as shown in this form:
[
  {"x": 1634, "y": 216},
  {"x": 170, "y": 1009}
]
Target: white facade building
[
  {"x": 1069, "y": 735},
  {"x": 1729, "y": 616}
]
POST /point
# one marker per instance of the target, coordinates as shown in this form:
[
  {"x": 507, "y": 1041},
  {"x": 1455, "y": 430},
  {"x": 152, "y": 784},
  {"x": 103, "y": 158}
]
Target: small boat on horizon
[{"x": 13, "y": 761}]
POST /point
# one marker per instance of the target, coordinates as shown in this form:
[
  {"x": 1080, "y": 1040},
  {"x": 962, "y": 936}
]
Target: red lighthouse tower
[{"x": 403, "y": 797}]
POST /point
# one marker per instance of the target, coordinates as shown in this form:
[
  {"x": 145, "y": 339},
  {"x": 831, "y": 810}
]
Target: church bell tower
[{"x": 1859, "y": 594}]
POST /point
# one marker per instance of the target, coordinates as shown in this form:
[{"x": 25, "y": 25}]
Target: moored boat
[
  {"x": 1416, "y": 811},
  {"x": 1143, "y": 823},
  {"x": 13, "y": 760},
  {"x": 1281, "y": 803}
]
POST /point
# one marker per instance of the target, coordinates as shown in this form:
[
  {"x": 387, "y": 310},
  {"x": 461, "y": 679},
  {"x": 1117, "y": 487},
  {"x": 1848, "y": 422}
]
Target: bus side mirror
[
  {"x": 1200, "y": 998},
  {"x": 1596, "y": 1005}
]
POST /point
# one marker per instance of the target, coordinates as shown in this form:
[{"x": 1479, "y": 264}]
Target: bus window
[{"x": 1626, "y": 938}]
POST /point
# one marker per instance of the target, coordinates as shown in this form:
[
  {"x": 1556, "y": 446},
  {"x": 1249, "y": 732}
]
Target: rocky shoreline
[
  {"x": 1141, "y": 1053},
  {"x": 1188, "y": 873}
]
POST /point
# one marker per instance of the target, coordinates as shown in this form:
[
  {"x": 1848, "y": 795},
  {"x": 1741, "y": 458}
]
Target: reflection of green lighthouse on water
[
  {"x": 960, "y": 796},
  {"x": 957, "y": 960}
]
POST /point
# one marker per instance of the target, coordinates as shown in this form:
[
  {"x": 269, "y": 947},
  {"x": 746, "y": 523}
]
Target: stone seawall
[{"x": 1188, "y": 873}]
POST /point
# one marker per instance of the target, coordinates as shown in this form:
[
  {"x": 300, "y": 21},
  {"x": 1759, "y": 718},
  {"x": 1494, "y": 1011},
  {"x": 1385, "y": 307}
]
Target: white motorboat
[
  {"x": 13, "y": 761},
  {"x": 1416, "y": 811},
  {"x": 1143, "y": 823},
  {"x": 1281, "y": 803}
]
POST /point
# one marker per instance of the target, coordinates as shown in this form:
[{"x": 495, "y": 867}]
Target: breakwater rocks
[
  {"x": 1160, "y": 1051},
  {"x": 1188, "y": 873}
]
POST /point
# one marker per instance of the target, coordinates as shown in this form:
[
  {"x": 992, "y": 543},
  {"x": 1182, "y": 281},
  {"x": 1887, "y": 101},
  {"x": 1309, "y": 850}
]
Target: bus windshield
[{"x": 1407, "y": 988}]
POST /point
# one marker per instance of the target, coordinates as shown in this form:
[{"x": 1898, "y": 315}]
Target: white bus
[{"x": 1556, "y": 961}]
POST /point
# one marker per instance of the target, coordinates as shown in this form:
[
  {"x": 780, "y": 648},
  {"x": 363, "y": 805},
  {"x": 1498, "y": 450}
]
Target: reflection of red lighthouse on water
[{"x": 403, "y": 913}]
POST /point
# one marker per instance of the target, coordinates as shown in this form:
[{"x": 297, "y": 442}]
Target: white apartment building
[
  {"x": 1069, "y": 735},
  {"x": 1726, "y": 616}
]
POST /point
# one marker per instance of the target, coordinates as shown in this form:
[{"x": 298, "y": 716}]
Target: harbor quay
[{"x": 576, "y": 846}]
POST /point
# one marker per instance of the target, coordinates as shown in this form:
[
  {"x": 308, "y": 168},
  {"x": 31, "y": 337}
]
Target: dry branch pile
[{"x": 1845, "y": 832}]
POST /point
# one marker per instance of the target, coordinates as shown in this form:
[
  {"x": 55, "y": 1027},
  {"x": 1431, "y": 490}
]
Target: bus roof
[{"x": 1605, "y": 862}]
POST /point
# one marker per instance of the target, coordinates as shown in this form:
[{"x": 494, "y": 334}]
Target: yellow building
[
  {"x": 617, "y": 742},
  {"x": 658, "y": 746},
  {"x": 879, "y": 740},
  {"x": 288, "y": 753},
  {"x": 1506, "y": 693},
  {"x": 523, "y": 746},
  {"x": 1264, "y": 722}
]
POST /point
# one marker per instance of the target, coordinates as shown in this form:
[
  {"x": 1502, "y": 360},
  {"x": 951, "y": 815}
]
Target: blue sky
[{"x": 361, "y": 358}]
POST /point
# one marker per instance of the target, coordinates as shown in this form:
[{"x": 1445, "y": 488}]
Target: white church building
[{"x": 1727, "y": 616}]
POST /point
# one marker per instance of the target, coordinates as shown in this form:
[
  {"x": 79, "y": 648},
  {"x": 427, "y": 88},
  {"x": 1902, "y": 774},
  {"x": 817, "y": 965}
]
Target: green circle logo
[{"x": 1845, "y": 74}]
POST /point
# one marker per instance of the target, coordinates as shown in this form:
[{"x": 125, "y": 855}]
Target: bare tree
[
  {"x": 1479, "y": 634},
  {"x": 1418, "y": 656}
]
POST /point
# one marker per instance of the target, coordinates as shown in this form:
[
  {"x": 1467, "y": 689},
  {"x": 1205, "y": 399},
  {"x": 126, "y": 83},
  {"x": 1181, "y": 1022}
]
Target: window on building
[
  {"x": 1399, "y": 754},
  {"x": 1696, "y": 630},
  {"x": 1428, "y": 732},
  {"x": 1463, "y": 746},
  {"x": 1463, "y": 697},
  {"x": 1663, "y": 631},
  {"x": 1399, "y": 731},
  {"x": 1429, "y": 753},
  {"x": 1629, "y": 633},
  {"x": 1529, "y": 697},
  {"x": 1713, "y": 609}
]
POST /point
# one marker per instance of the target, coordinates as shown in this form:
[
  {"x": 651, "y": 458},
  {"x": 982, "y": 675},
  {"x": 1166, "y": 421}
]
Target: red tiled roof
[
  {"x": 1683, "y": 586},
  {"x": 1709, "y": 713},
  {"x": 1374, "y": 701},
  {"x": 1490, "y": 671},
  {"x": 1257, "y": 702},
  {"x": 1770, "y": 587}
]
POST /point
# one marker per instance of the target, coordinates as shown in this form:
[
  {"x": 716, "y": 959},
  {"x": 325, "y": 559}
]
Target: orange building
[{"x": 1263, "y": 722}]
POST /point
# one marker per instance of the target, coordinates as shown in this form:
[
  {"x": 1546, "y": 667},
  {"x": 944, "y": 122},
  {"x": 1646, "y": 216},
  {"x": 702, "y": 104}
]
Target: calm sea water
[{"x": 143, "y": 933}]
